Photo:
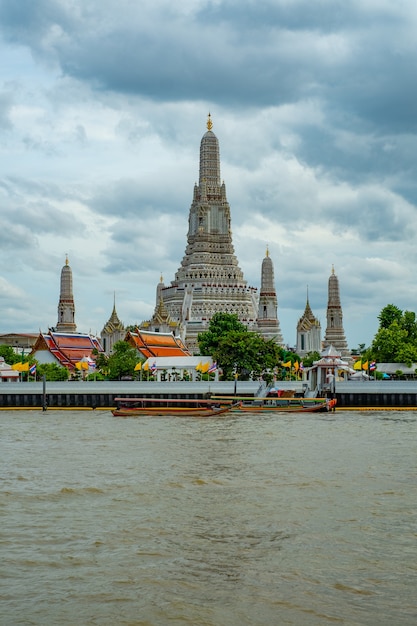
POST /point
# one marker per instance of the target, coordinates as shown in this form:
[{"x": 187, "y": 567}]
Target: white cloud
[{"x": 102, "y": 109}]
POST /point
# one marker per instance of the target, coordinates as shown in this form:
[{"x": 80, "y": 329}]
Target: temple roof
[
  {"x": 113, "y": 323},
  {"x": 67, "y": 348},
  {"x": 151, "y": 344}
]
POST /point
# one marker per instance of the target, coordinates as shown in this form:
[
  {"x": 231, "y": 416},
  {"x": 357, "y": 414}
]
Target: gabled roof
[
  {"x": 151, "y": 344},
  {"x": 67, "y": 348}
]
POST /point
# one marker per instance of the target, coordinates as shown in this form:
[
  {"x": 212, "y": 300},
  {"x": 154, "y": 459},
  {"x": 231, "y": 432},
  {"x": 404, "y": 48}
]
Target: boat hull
[
  {"x": 292, "y": 405},
  {"x": 176, "y": 411}
]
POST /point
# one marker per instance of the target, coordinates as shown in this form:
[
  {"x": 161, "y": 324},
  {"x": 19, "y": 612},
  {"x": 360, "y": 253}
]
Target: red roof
[{"x": 67, "y": 348}]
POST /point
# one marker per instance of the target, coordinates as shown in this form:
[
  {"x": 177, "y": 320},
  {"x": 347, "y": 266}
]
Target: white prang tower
[
  {"x": 209, "y": 279},
  {"x": 268, "y": 322},
  {"x": 66, "y": 307},
  {"x": 335, "y": 334}
]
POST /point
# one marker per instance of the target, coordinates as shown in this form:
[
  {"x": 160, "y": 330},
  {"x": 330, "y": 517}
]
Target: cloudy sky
[{"x": 103, "y": 104}]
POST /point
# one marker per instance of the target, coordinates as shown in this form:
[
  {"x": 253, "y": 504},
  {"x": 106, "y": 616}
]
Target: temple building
[
  {"x": 267, "y": 323},
  {"x": 113, "y": 331},
  {"x": 308, "y": 332},
  {"x": 63, "y": 345},
  {"x": 156, "y": 344},
  {"x": 161, "y": 321},
  {"x": 66, "y": 307},
  {"x": 65, "y": 349},
  {"x": 209, "y": 279},
  {"x": 335, "y": 334}
]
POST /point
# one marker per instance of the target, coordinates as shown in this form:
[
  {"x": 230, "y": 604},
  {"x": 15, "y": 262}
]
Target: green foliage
[
  {"x": 220, "y": 325},
  {"x": 310, "y": 357},
  {"x": 236, "y": 349},
  {"x": 122, "y": 361},
  {"x": 102, "y": 362},
  {"x": 396, "y": 338},
  {"x": 9, "y": 354},
  {"x": 51, "y": 371},
  {"x": 389, "y": 315}
]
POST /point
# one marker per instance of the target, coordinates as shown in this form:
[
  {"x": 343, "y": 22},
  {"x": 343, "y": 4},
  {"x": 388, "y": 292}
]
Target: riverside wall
[{"x": 101, "y": 395}]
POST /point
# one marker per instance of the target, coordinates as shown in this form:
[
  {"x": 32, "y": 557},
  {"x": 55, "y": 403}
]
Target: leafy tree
[
  {"x": 310, "y": 357},
  {"x": 220, "y": 324},
  {"x": 408, "y": 323},
  {"x": 236, "y": 349},
  {"x": 396, "y": 338},
  {"x": 9, "y": 354},
  {"x": 101, "y": 361},
  {"x": 51, "y": 371},
  {"x": 388, "y": 315},
  {"x": 122, "y": 361}
]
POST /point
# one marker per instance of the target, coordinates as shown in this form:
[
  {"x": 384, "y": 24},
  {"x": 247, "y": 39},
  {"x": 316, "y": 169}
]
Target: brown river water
[{"x": 307, "y": 519}]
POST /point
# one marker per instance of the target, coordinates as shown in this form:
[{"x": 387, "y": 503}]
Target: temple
[
  {"x": 335, "y": 334},
  {"x": 267, "y": 322},
  {"x": 66, "y": 307},
  {"x": 113, "y": 331},
  {"x": 308, "y": 332},
  {"x": 209, "y": 279},
  {"x": 65, "y": 349}
]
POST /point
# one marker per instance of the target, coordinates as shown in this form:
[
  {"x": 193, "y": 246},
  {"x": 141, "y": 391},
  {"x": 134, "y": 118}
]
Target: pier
[{"x": 100, "y": 395}]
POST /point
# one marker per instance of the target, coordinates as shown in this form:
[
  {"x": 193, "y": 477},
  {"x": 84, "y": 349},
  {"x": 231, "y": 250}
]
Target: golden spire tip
[{"x": 209, "y": 122}]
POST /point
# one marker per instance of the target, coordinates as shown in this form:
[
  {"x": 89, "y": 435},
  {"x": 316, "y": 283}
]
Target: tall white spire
[
  {"x": 335, "y": 334},
  {"x": 66, "y": 307}
]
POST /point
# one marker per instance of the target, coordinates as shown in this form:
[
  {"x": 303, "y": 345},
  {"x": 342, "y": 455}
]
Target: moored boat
[
  {"x": 280, "y": 405},
  {"x": 179, "y": 407}
]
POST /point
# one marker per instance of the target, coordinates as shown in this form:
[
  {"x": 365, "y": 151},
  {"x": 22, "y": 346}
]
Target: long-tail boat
[
  {"x": 183, "y": 407},
  {"x": 278, "y": 405}
]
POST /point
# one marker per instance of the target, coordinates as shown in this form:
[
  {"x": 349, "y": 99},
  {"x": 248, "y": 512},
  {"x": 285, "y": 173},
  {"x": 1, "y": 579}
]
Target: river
[{"x": 306, "y": 519}]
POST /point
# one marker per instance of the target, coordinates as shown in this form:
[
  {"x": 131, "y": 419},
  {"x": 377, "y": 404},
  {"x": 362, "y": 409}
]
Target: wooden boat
[
  {"x": 280, "y": 405},
  {"x": 183, "y": 407}
]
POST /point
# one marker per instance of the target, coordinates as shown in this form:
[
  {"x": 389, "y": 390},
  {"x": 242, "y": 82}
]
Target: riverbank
[{"x": 100, "y": 395}]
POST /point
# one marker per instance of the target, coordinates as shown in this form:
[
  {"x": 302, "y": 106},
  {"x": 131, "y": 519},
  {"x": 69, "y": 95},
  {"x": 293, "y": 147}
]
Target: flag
[
  {"x": 91, "y": 364},
  {"x": 212, "y": 367},
  {"x": 24, "y": 367},
  {"x": 138, "y": 366},
  {"x": 17, "y": 367},
  {"x": 153, "y": 368},
  {"x": 372, "y": 366},
  {"x": 287, "y": 364},
  {"x": 198, "y": 367},
  {"x": 146, "y": 366},
  {"x": 357, "y": 364},
  {"x": 296, "y": 366},
  {"x": 301, "y": 366},
  {"x": 32, "y": 369},
  {"x": 365, "y": 365},
  {"x": 205, "y": 367}
]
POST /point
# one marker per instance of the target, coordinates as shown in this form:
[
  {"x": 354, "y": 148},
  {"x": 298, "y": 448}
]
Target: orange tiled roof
[{"x": 151, "y": 344}]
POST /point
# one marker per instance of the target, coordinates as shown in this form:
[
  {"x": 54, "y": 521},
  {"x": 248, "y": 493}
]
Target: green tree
[
  {"x": 396, "y": 338},
  {"x": 101, "y": 361},
  {"x": 389, "y": 315},
  {"x": 387, "y": 343},
  {"x": 9, "y": 354},
  {"x": 310, "y": 357},
  {"x": 51, "y": 371},
  {"x": 220, "y": 324},
  {"x": 122, "y": 361},
  {"x": 236, "y": 349},
  {"x": 408, "y": 323}
]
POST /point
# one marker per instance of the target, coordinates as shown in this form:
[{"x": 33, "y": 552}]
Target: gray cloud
[{"x": 314, "y": 108}]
